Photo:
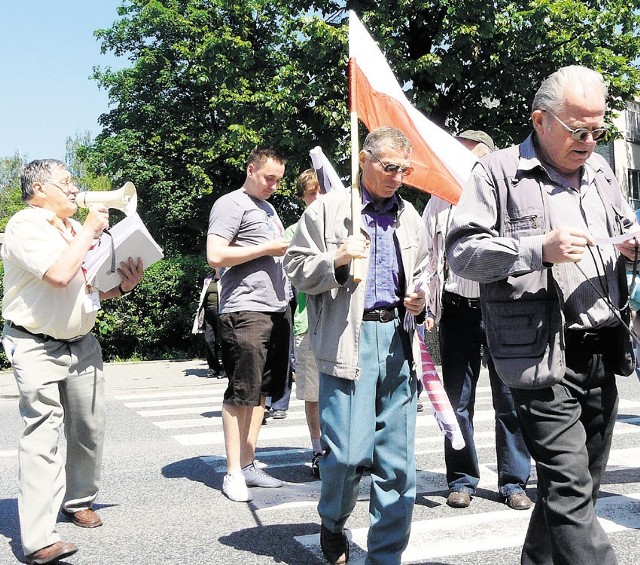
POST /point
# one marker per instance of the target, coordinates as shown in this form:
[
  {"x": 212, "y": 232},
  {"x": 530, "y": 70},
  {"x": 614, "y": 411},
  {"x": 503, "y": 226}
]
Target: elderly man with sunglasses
[
  {"x": 367, "y": 396},
  {"x": 50, "y": 309},
  {"x": 534, "y": 227}
]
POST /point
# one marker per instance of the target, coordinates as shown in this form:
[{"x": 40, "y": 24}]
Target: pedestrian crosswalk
[{"x": 193, "y": 419}]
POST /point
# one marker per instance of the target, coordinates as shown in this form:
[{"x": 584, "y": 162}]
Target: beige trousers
[{"x": 59, "y": 383}]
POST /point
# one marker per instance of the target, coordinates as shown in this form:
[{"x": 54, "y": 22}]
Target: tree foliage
[
  {"x": 210, "y": 79},
  {"x": 10, "y": 192},
  {"x": 77, "y": 159},
  {"x": 478, "y": 64},
  {"x": 155, "y": 321}
]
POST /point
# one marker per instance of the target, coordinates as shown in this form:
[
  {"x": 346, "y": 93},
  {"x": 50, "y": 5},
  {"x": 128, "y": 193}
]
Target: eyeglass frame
[
  {"x": 68, "y": 184},
  {"x": 581, "y": 134},
  {"x": 391, "y": 168}
]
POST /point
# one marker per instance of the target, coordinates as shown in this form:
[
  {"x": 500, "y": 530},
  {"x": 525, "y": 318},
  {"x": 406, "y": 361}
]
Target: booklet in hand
[{"x": 128, "y": 238}]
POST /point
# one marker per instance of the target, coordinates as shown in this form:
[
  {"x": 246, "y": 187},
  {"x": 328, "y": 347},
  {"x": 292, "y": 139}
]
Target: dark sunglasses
[
  {"x": 391, "y": 168},
  {"x": 581, "y": 134}
]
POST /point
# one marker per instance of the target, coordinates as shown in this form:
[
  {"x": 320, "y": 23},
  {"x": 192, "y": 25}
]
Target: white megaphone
[{"x": 124, "y": 199}]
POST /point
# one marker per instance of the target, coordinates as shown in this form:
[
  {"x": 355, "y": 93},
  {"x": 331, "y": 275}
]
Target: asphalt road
[{"x": 164, "y": 462}]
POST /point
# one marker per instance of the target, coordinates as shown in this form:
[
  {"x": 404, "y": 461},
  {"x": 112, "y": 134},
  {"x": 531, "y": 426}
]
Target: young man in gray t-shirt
[{"x": 246, "y": 240}]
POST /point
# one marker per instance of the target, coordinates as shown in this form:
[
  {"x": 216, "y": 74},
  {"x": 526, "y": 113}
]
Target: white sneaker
[
  {"x": 235, "y": 487},
  {"x": 256, "y": 477}
]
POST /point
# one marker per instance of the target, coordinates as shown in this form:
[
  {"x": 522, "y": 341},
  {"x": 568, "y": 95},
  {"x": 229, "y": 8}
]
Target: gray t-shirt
[{"x": 257, "y": 285}]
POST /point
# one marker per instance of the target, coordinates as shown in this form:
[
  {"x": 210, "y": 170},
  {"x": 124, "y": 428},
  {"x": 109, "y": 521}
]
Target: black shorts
[{"x": 255, "y": 354}]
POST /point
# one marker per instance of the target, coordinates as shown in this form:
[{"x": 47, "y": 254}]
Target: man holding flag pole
[
  {"x": 367, "y": 395},
  {"x": 360, "y": 282}
]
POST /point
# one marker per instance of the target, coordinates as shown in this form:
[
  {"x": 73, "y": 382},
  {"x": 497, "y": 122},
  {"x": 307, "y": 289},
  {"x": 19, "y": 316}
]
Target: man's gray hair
[
  {"x": 39, "y": 170},
  {"x": 550, "y": 95},
  {"x": 385, "y": 137}
]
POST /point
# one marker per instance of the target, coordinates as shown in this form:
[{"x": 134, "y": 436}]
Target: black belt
[
  {"x": 44, "y": 337},
  {"x": 380, "y": 315},
  {"x": 452, "y": 299}
]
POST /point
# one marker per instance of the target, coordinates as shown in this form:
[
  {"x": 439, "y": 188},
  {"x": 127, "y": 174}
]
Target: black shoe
[{"x": 335, "y": 547}]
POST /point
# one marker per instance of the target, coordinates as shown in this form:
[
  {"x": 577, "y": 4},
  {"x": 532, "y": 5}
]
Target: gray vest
[{"x": 523, "y": 316}]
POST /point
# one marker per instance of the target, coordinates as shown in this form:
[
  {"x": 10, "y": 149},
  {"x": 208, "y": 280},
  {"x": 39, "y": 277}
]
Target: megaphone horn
[{"x": 124, "y": 199}]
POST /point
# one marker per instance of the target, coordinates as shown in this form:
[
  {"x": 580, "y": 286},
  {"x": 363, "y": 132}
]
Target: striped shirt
[
  {"x": 478, "y": 252},
  {"x": 437, "y": 218}
]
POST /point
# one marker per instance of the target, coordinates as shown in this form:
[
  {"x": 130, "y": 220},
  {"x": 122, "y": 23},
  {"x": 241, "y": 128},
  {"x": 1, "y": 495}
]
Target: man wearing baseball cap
[{"x": 454, "y": 304}]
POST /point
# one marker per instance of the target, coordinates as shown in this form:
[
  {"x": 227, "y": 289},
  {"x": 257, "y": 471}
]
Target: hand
[
  {"x": 131, "y": 274},
  {"x": 628, "y": 248},
  {"x": 565, "y": 245},
  {"x": 429, "y": 323},
  {"x": 97, "y": 220},
  {"x": 414, "y": 302},
  {"x": 355, "y": 247},
  {"x": 277, "y": 247}
]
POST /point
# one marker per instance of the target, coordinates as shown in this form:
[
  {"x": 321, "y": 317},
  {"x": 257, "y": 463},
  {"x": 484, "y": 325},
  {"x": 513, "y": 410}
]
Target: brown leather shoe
[
  {"x": 52, "y": 553},
  {"x": 335, "y": 547},
  {"x": 458, "y": 499},
  {"x": 85, "y": 518},
  {"x": 519, "y": 501}
]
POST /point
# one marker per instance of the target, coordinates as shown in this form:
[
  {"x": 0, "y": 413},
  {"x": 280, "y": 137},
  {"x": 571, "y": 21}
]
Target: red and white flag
[
  {"x": 442, "y": 164},
  {"x": 442, "y": 409}
]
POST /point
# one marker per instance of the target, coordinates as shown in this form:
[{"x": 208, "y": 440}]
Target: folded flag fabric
[
  {"x": 442, "y": 409},
  {"x": 327, "y": 176}
]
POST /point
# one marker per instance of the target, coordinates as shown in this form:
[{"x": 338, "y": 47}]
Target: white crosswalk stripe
[
  {"x": 193, "y": 419},
  {"x": 444, "y": 534}
]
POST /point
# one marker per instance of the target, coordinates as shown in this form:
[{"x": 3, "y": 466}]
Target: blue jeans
[
  {"x": 369, "y": 424},
  {"x": 461, "y": 341}
]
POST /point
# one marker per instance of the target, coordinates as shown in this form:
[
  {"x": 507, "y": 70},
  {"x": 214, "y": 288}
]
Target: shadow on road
[
  {"x": 9, "y": 524},
  {"x": 195, "y": 470},
  {"x": 275, "y": 541}
]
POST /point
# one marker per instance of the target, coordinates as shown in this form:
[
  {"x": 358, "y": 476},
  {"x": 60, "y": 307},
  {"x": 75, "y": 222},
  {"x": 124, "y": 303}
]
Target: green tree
[
  {"x": 10, "y": 192},
  {"x": 210, "y": 79},
  {"x": 77, "y": 158},
  {"x": 475, "y": 64}
]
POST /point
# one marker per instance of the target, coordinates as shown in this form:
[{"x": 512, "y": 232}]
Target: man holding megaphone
[{"x": 50, "y": 308}]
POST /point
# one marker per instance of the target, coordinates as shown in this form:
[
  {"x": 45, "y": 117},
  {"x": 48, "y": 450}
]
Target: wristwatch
[{"x": 122, "y": 292}]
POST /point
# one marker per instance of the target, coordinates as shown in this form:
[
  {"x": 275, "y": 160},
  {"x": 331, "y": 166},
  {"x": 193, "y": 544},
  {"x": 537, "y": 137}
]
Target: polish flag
[
  {"x": 442, "y": 164},
  {"x": 442, "y": 410}
]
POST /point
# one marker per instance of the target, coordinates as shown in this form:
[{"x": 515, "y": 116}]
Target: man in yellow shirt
[{"x": 50, "y": 309}]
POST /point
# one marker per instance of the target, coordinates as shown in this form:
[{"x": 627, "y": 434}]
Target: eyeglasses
[
  {"x": 391, "y": 168},
  {"x": 581, "y": 134},
  {"x": 66, "y": 187}
]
